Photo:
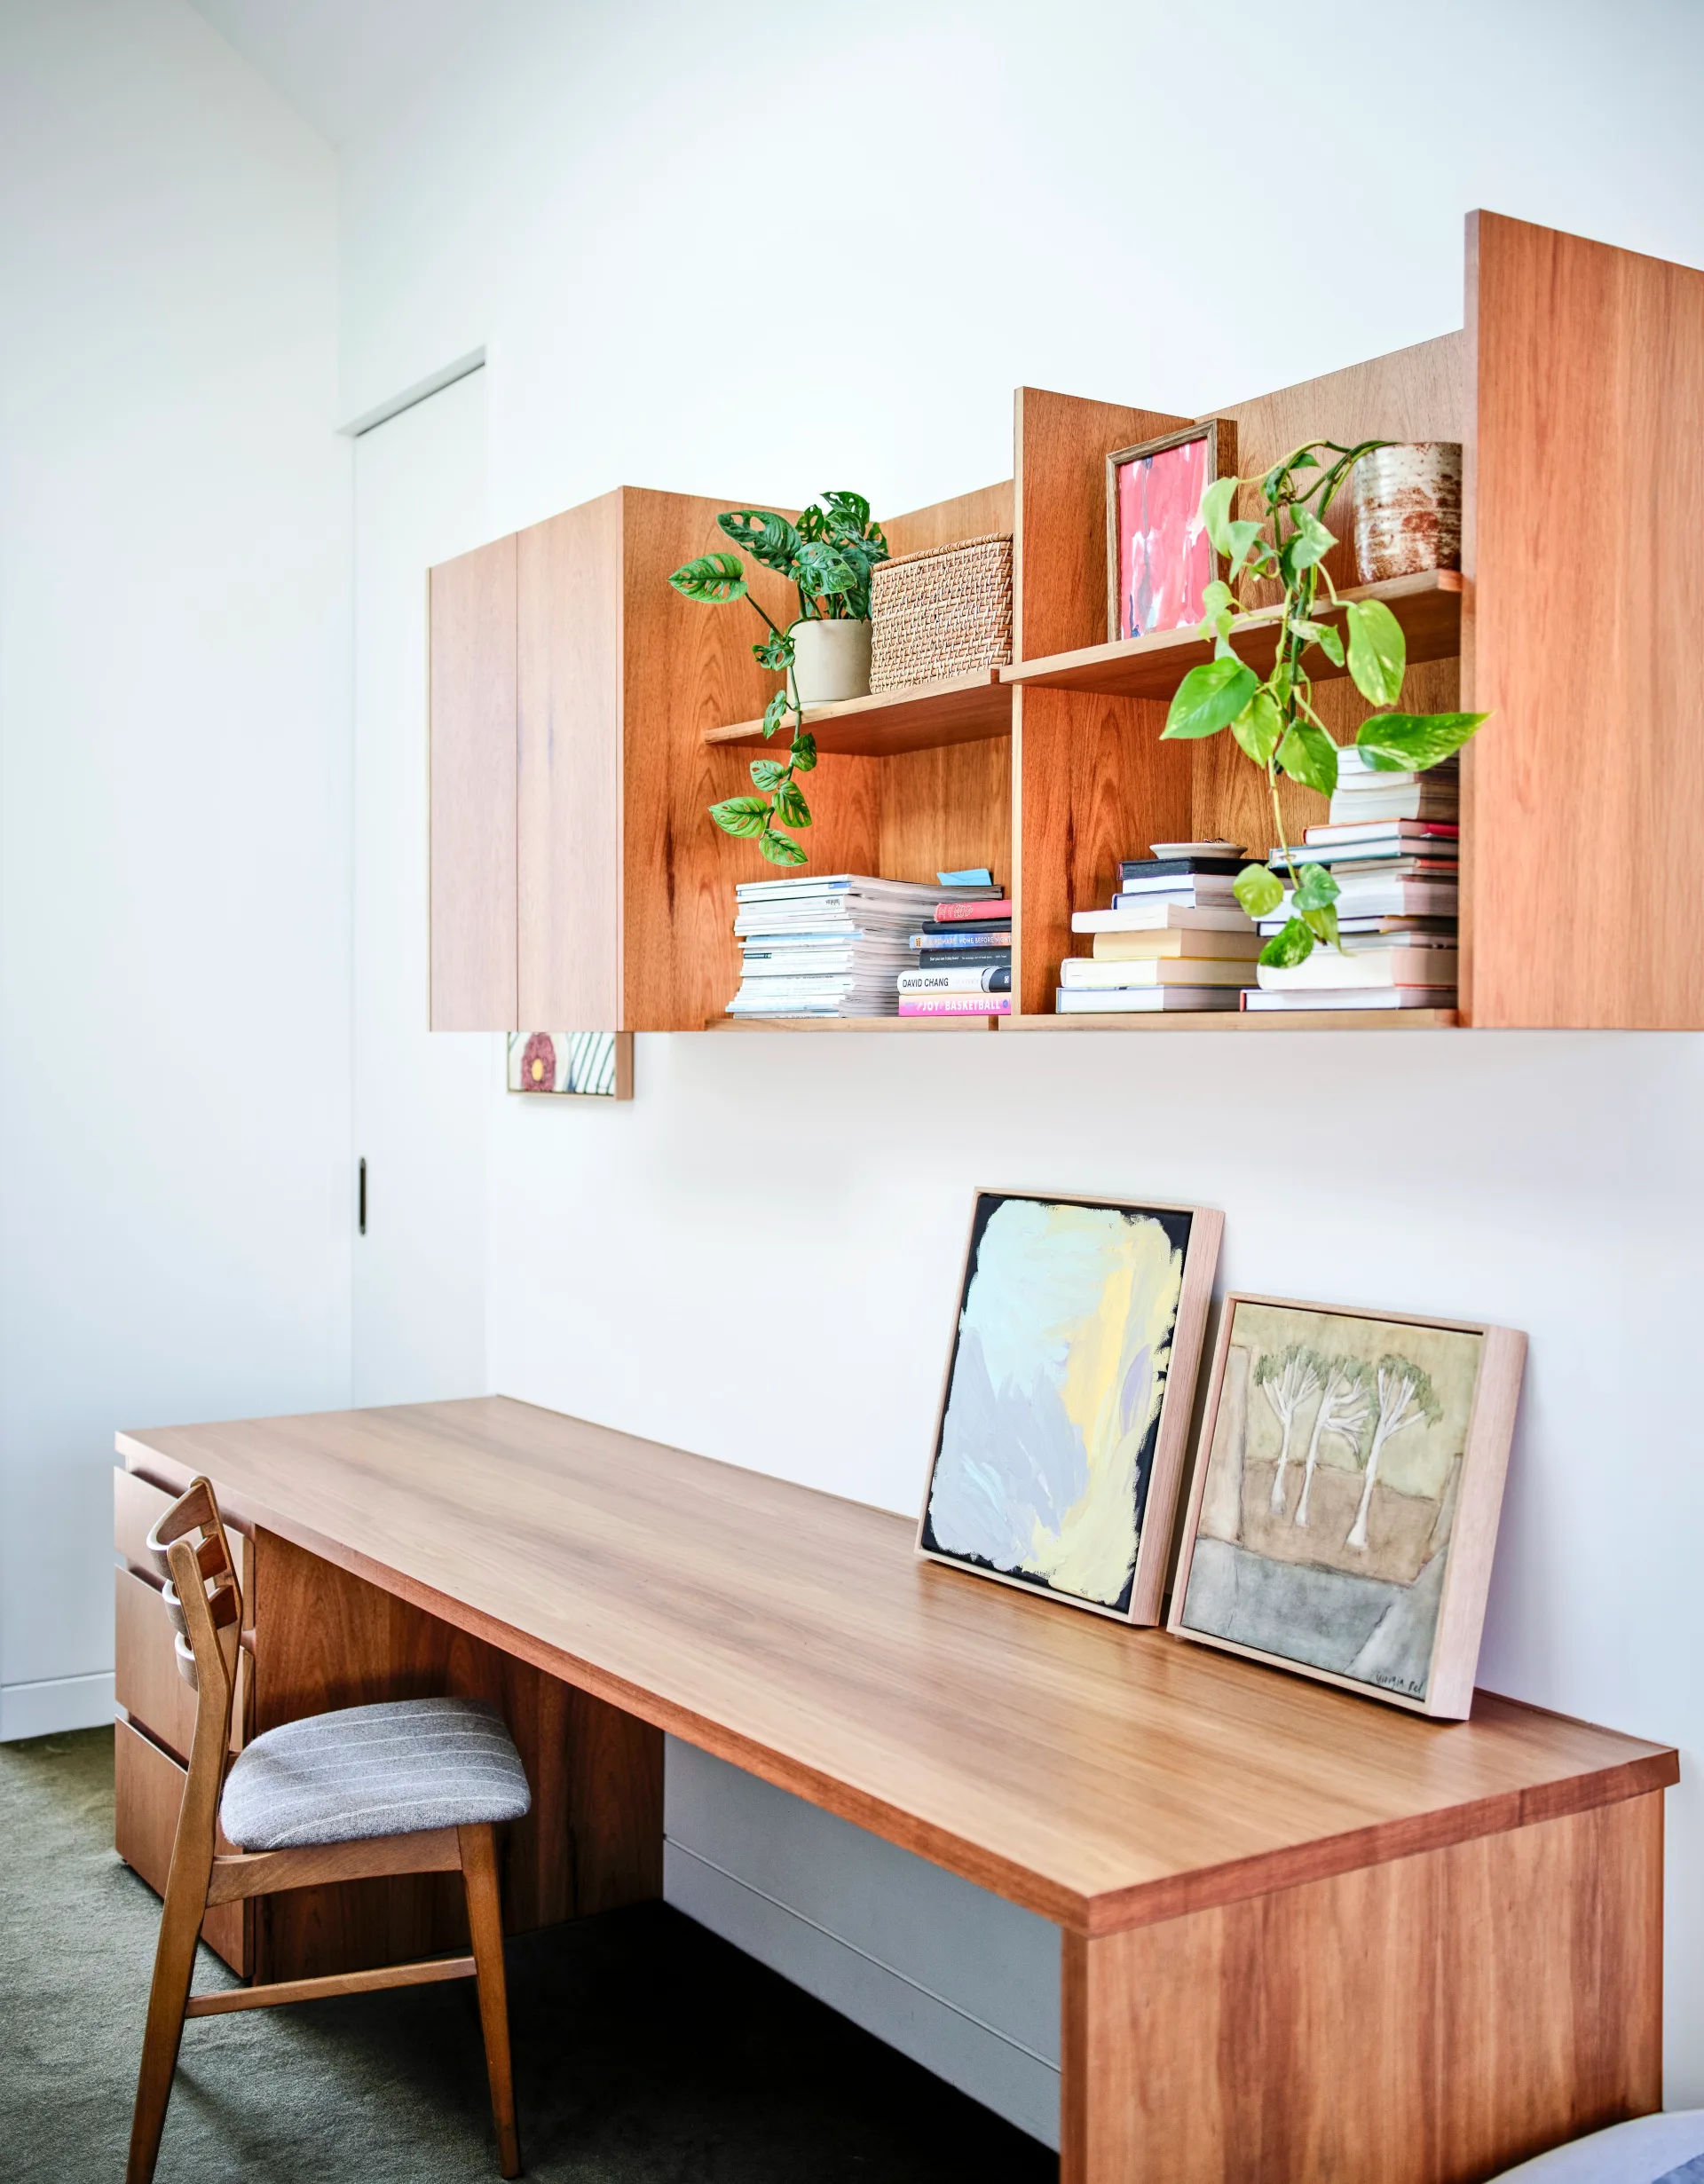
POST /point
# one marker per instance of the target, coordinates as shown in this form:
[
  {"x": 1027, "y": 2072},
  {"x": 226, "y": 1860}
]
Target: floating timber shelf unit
[
  {"x": 924, "y": 716},
  {"x": 1428, "y": 608},
  {"x": 857, "y": 1023},
  {"x": 1233, "y": 1019},
  {"x": 583, "y": 716}
]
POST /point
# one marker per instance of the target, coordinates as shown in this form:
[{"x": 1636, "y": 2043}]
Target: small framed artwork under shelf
[{"x": 582, "y": 1065}]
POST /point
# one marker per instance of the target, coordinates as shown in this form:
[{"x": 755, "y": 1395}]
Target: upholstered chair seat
[
  {"x": 1651, "y": 2149},
  {"x": 395, "y": 1768}
]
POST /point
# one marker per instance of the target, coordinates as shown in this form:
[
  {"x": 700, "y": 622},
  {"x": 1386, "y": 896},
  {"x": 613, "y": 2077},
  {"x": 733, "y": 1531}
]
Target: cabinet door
[
  {"x": 569, "y": 674},
  {"x": 473, "y": 788}
]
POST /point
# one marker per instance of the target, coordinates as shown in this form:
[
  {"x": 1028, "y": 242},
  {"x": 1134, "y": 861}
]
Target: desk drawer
[
  {"x": 145, "y": 1682},
  {"x": 149, "y": 1785},
  {"x": 136, "y": 1507}
]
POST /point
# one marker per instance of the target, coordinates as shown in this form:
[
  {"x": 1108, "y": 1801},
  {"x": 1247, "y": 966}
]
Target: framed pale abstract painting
[
  {"x": 1066, "y": 1407},
  {"x": 1345, "y": 1507},
  {"x": 1159, "y": 558}
]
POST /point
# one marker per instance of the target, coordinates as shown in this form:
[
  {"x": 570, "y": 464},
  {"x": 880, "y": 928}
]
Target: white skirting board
[
  {"x": 59, "y": 1702},
  {"x": 957, "y": 1979}
]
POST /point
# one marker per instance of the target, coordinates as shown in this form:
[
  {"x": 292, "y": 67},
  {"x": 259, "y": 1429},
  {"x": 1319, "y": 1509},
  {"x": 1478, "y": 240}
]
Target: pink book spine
[
  {"x": 959, "y": 1005},
  {"x": 971, "y": 913}
]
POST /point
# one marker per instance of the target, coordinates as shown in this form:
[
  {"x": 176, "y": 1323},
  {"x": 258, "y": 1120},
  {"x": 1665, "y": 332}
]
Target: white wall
[
  {"x": 420, "y": 1099},
  {"x": 173, "y": 810},
  {"x": 1003, "y": 194}
]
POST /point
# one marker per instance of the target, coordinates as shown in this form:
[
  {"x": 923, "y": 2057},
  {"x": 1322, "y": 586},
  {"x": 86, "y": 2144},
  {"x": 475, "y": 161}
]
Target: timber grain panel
[
  {"x": 473, "y": 872},
  {"x": 1583, "y": 477},
  {"x": 1102, "y": 1776},
  {"x": 1095, "y": 784},
  {"x": 1427, "y": 2021},
  {"x": 325, "y": 1638},
  {"x": 148, "y": 1788},
  {"x": 569, "y": 769}
]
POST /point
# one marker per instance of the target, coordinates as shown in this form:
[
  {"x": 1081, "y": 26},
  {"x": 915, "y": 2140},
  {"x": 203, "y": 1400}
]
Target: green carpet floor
[{"x": 646, "y": 2050}]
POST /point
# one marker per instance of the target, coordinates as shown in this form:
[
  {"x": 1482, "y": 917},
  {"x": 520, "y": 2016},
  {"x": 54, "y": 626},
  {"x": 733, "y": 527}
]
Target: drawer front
[
  {"x": 149, "y": 1785},
  {"x": 146, "y": 1682},
  {"x": 138, "y": 1505}
]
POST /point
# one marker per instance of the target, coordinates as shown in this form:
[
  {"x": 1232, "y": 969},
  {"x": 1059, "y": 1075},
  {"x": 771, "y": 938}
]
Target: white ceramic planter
[{"x": 831, "y": 661}]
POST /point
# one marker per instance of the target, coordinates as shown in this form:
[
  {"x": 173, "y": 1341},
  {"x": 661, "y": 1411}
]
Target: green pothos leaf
[
  {"x": 781, "y": 849},
  {"x": 1292, "y": 945},
  {"x": 1328, "y": 640},
  {"x": 1308, "y": 754},
  {"x": 765, "y": 773},
  {"x": 741, "y": 814},
  {"x": 1258, "y": 889},
  {"x": 1378, "y": 651},
  {"x": 803, "y": 753},
  {"x": 1258, "y": 727},
  {"x": 1216, "y": 512},
  {"x": 1243, "y": 538},
  {"x": 1396, "y": 742},
  {"x": 1315, "y": 888},
  {"x": 1310, "y": 542},
  {"x": 775, "y": 712},
  {"x": 1210, "y": 697},
  {"x": 1323, "y": 922}
]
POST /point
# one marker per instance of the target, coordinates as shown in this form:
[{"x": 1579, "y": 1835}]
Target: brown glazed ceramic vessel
[{"x": 1408, "y": 501}]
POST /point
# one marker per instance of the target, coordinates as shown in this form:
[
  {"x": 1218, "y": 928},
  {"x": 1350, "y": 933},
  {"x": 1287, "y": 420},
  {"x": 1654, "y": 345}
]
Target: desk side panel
[
  {"x": 1428, "y": 2021},
  {"x": 593, "y": 1841}
]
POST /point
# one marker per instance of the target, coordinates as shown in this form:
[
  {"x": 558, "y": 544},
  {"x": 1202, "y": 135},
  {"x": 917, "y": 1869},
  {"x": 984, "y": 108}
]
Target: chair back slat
[
  {"x": 214, "y": 1556},
  {"x": 190, "y": 1565}
]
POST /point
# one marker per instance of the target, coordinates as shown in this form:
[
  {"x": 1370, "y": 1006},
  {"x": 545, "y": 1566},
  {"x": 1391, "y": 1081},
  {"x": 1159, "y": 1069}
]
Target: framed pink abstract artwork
[{"x": 1159, "y": 558}]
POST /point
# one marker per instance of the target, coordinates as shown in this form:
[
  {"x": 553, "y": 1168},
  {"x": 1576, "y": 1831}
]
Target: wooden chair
[{"x": 413, "y": 1787}]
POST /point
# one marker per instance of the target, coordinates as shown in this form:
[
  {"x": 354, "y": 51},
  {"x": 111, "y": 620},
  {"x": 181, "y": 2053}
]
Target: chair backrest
[{"x": 204, "y": 1603}]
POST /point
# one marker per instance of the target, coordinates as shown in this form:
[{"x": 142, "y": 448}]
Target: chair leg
[
  {"x": 174, "y": 1967},
  {"x": 485, "y": 1923}
]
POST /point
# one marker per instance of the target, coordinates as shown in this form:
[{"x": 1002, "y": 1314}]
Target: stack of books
[
  {"x": 1175, "y": 937},
  {"x": 831, "y": 947},
  {"x": 961, "y": 952},
  {"x": 1392, "y": 845}
]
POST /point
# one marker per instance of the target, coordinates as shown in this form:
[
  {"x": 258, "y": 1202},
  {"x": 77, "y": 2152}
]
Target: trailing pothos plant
[
  {"x": 827, "y": 556},
  {"x": 1273, "y": 719}
]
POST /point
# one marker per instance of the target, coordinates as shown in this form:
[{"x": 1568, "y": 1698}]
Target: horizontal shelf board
[
  {"x": 923, "y": 716},
  {"x": 1428, "y": 606},
  {"x": 853, "y": 1023},
  {"x": 1239, "y": 1020}
]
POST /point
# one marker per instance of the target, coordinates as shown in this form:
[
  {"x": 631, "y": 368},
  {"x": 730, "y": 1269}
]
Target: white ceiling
[{"x": 347, "y": 64}]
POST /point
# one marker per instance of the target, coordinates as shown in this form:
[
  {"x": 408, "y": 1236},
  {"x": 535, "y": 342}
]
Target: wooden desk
[{"x": 1305, "y": 1937}]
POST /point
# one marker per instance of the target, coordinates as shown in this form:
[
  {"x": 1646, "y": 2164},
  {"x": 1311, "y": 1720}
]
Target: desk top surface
[{"x": 1103, "y": 1777}]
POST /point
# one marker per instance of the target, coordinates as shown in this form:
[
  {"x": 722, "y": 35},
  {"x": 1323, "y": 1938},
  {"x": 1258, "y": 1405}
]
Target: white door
[{"x": 421, "y": 1098}]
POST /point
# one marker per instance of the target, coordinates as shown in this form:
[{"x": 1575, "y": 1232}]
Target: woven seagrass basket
[{"x": 947, "y": 612}]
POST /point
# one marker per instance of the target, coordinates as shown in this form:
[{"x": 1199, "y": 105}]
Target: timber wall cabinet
[{"x": 583, "y": 716}]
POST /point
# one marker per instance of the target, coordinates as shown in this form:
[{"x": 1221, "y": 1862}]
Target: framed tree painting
[
  {"x": 1159, "y": 558},
  {"x": 1065, "y": 1410},
  {"x": 1347, "y": 1488}
]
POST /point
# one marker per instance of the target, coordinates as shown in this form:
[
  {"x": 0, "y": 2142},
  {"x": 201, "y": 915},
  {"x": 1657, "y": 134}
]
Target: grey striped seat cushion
[{"x": 389, "y": 1769}]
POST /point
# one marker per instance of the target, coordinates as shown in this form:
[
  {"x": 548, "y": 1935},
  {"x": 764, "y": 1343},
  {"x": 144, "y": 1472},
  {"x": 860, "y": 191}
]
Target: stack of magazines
[{"x": 828, "y": 947}]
